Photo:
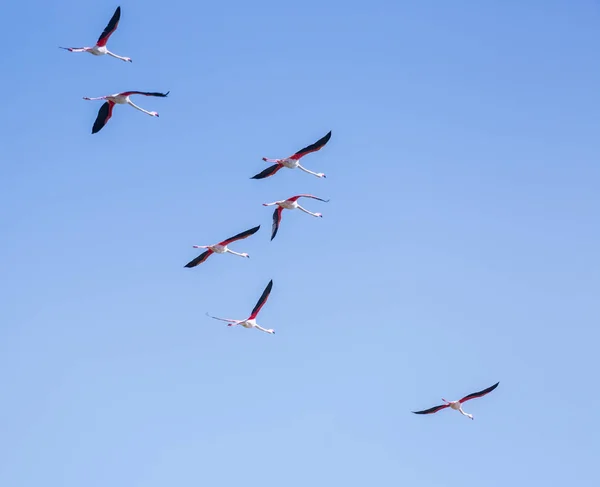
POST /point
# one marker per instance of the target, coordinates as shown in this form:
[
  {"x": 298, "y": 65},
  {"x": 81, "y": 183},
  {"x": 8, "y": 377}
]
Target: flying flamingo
[
  {"x": 294, "y": 161},
  {"x": 457, "y": 405},
  {"x": 106, "y": 109},
  {"x": 100, "y": 48},
  {"x": 289, "y": 204},
  {"x": 250, "y": 322},
  {"x": 220, "y": 248}
]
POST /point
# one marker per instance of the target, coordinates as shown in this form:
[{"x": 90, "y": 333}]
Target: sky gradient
[{"x": 459, "y": 248}]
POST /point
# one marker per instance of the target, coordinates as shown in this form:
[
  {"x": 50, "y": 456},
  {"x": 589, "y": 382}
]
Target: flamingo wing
[
  {"x": 480, "y": 393},
  {"x": 145, "y": 93},
  {"x": 262, "y": 300},
  {"x": 198, "y": 260},
  {"x": 432, "y": 410},
  {"x": 319, "y": 144},
  {"x": 267, "y": 172},
  {"x": 110, "y": 28},
  {"x": 73, "y": 49},
  {"x": 276, "y": 221},
  {"x": 294, "y": 198},
  {"x": 103, "y": 117},
  {"x": 223, "y": 319},
  {"x": 240, "y": 236}
]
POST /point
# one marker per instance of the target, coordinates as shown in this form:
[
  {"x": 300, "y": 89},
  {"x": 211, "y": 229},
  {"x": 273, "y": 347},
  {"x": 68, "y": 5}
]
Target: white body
[
  {"x": 291, "y": 163},
  {"x": 98, "y": 51},
  {"x": 288, "y": 205}
]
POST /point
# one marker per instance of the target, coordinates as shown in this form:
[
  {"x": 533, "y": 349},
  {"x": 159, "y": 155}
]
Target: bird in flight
[
  {"x": 250, "y": 322},
  {"x": 289, "y": 204},
  {"x": 221, "y": 247},
  {"x": 106, "y": 109},
  {"x": 457, "y": 405},
  {"x": 100, "y": 48},
  {"x": 294, "y": 161}
]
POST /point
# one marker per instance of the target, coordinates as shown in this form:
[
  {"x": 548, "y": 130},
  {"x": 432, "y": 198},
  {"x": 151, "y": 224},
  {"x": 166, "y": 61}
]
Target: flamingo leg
[
  {"x": 258, "y": 327},
  {"x": 317, "y": 174},
  {"x": 126, "y": 59},
  {"x": 236, "y": 253},
  {"x": 152, "y": 114},
  {"x": 309, "y": 212}
]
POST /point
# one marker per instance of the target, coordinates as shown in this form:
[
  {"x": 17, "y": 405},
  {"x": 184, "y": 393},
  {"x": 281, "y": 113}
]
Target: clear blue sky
[{"x": 459, "y": 248}]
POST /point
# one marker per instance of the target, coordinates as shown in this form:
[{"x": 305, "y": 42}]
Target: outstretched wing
[
  {"x": 319, "y": 144},
  {"x": 276, "y": 221},
  {"x": 222, "y": 319},
  {"x": 262, "y": 300},
  {"x": 267, "y": 172},
  {"x": 145, "y": 93},
  {"x": 110, "y": 28},
  {"x": 240, "y": 236},
  {"x": 294, "y": 198},
  {"x": 480, "y": 393},
  {"x": 103, "y": 117},
  {"x": 73, "y": 49},
  {"x": 198, "y": 260},
  {"x": 432, "y": 410}
]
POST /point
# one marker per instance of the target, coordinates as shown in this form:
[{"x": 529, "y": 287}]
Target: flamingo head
[
  {"x": 319, "y": 214},
  {"x": 245, "y": 255},
  {"x": 470, "y": 416},
  {"x": 271, "y": 331},
  {"x": 321, "y": 175},
  {"x": 154, "y": 114},
  {"x": 128, "y": 60}
]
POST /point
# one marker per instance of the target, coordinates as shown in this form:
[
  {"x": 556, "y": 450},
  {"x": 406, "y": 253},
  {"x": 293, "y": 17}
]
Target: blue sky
[{"x": 459, "y": 248}]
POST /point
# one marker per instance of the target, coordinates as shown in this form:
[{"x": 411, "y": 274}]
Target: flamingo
[
  {"x": 457, "y": 405},
  {"x": 250, "y": 322},
  {"x": 221, "y": 248},
  {"x": 294, "y": 161},
  {"x": 289, "y": 204},
  {"x": 100, "y": 48},
  {"x": 106, "y": 109}
]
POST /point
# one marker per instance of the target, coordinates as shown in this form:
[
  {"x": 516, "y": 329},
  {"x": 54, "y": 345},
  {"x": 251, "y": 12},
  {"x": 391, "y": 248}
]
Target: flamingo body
[
  {"x": 221, "y": 247},
  {"x": 289, "y": 204},
  {"x": 457, "y": 405},
  {"x": 293, "y": 162},
  {"x": 105, "y": 112},
  {"x": 100, "y": 49},
  {"x": 250, "y": 322}
]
